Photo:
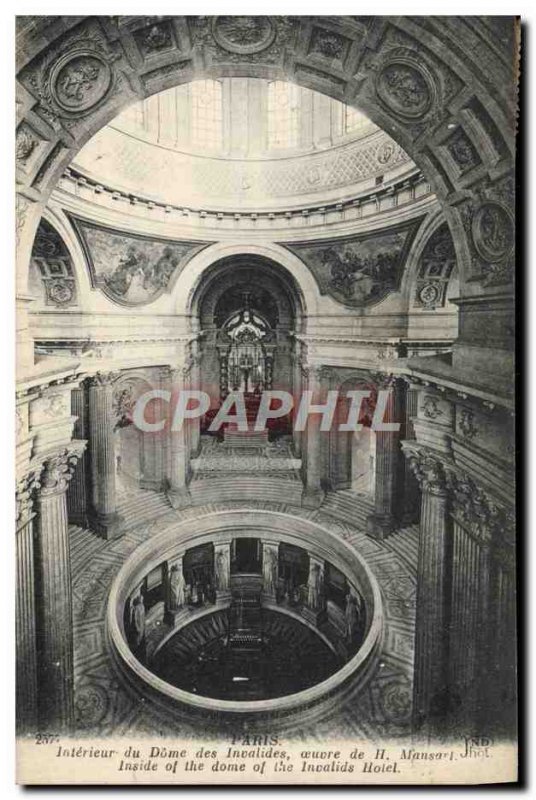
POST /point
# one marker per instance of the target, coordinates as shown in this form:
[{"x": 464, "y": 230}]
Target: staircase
[
  {"x": 245, "y": 623},
  {"x": 141, "y": 506},
  {"x": 250, "y": 438}
]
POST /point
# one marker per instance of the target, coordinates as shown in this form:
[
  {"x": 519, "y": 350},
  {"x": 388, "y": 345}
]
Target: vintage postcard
[{"x": 265, "y": 399}]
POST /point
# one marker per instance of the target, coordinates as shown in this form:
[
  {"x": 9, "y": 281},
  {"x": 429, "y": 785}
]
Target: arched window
[
  {"x": 206, "y": 114},
  {"x": 283, "y": 114},
  {"x": 354, "y": 120}
]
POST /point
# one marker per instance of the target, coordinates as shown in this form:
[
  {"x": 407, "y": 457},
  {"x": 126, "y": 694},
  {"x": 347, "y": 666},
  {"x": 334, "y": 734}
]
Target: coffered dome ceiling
[{"x": 242, "y": 143}]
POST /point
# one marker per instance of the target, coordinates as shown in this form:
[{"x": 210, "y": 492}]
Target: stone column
[
  {"x": 270, "y": 569},
  {"x": 296, "y": 392},
  {"x": 499, "y": 655},
  {"x": 104, "y": 518},
  {"x": 389, "y": 465},
  {"x": 430, "y": 693},
  {"x": 25, "y": 638},
  {"x": 478, "y": 638},
  {"x": 77, "y": 494},
  {"x": 178, "y": 492},
  {"x": 54, "y": 622},
  {"x": 313, "y": 493},
  {"x": 222, "y": 569},
  {"x": 411, "y": 499},
  {"x": 195, "y": 383}
]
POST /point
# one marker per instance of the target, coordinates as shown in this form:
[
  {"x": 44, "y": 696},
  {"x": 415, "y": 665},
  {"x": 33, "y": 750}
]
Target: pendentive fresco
[{"x": 265, "y": 458}]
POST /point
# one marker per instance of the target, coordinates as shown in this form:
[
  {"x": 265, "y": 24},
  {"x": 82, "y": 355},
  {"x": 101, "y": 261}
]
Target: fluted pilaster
[
  {"x": 297, "y": 390},
  {"x": 389, "y": 464},
  {"x": 178, "y": 448},
  {"x": 77, "y": 493},
  {"x": 481, "y": 625},
  {"x": 430, "y": 689},
  {"x": 104, "y": 517},
  {"x": 313, "y": 493},
  {"x": 54, "y": 622},
  {"x": 25, "y": 636},
  {"x": 195, "y": 383}
]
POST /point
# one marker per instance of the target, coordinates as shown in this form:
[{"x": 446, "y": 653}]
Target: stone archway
[{"x": 442, "y": 89}]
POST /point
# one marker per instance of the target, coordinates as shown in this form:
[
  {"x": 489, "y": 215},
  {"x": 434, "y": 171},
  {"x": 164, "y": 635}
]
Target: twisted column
[
  {"x": 103, "y": 517},
  {"x": 54, "y": 623},
  {"x": 389, "y": 465},
  {"x": 26, "y": 650}
]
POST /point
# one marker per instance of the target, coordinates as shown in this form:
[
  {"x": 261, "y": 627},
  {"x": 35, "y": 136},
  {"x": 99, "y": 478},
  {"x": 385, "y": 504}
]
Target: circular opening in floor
[{"x": 245, "y": 611}]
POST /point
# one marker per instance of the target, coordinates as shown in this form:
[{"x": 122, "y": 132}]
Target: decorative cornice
[
  {"x": 474, "y": 508},
  {"x": 379, "y": 196},
  {"x": 427, "y": 467}
]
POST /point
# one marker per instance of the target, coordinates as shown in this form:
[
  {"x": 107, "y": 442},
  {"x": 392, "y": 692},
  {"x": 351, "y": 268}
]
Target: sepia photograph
[{"x": 265, "y": 399}]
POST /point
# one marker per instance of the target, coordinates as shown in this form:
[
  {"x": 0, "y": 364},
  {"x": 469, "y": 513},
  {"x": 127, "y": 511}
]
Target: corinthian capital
[
  {"x": 59, "y": 467},
  {"x": 25, "y": 495},
  {"x": 476, "y": 510},
  {"x": 102, "y": 378},
  {"x": 427, "y": 467}
]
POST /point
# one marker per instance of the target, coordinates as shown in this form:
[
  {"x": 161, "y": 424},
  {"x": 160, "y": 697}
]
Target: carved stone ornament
[
  {"x": 406, "y": 87},
  {"x": 493, "y": 232},
  {"x": 25, "y": 144},
  {"x": 60, "y": 291},
  {"x": 243, "y": 35},
  {"x": 54, "y": 406},
  {"x": 328, "y": 44},
  {"x": 385, "y": 152},
  {"x": 123, "y": 405},
  {"x": 155, "y": 38},
  {"x": 462, "y": 150},
  {"x": 80, "y": 80},
  {"x": 58, "y": 470},
  {"x": 25, "y": 495},
  {"x": 429, "y": 295},
  {"x": 428, "y": 470},
  {"x": 102, "y": 379},
  {"x": 476, "y": 511},
  {"x": 430, "y": 407},
  {"x": 466, "y": 423}
]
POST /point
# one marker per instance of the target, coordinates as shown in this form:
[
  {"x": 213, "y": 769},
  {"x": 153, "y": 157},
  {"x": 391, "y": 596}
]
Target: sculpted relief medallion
[
  {"x": 243, "y": 34},
  {"x": 493, "y": 232},
  {"x": 405, "y": 87},
  {"x": 80, "y": 80}
]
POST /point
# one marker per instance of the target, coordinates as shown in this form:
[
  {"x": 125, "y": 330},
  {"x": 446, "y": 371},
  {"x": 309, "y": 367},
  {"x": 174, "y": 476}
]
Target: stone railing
[
  {"x": 219, "y": 528},
  {"x": 409, "y": 193}
]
